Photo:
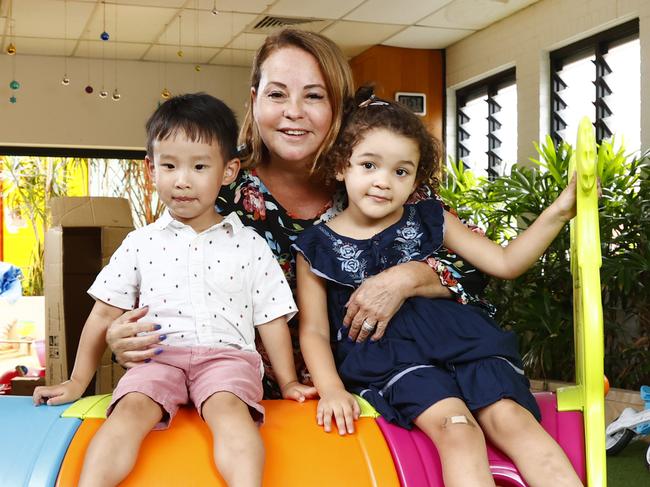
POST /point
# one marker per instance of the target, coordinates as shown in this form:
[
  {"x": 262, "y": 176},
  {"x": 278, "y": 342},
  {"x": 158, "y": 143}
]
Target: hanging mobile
[
  {"x": 116, "y": 94},
  {"x": 104, "y": 36},
  {"x": 65, "y": 81},
  {"x": 11, "y": 50},
  {"x": 180, "y": 52}
]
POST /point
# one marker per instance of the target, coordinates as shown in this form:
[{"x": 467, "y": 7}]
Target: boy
[{"x": 207, "y": 281}]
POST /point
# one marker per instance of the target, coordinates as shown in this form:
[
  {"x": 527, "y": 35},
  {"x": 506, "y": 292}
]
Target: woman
[{"x": 298, "y": 84}]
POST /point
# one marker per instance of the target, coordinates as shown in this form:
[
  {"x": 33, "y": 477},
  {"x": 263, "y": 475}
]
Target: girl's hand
[
  {"x": 376, "y": 301},
  {"x": 340, "y": 404},
  {"x": 67, "y": 391},
  {"x": 298, "y": 392},
  {"x": 122, "y": 339},
  {"x": 565, "y": 204}
]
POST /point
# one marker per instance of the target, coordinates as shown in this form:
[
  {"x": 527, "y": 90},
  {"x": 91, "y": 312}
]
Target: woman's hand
[
  {"x": 67, "y": 391},
  {"x": 130, "y": 349},
  {"x": 375, "y": 302},
  {"x": 379, "y": 297},
  {"x": 340, "y": 404}
]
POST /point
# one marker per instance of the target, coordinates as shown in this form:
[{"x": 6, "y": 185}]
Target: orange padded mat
[{"x": 298, "y": 452}]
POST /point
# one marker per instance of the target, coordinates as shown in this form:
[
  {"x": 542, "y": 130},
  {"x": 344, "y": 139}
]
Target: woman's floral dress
[{"x": 257, "y": 208}]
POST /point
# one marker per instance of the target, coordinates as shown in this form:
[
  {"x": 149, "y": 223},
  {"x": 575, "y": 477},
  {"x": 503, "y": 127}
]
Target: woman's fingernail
[
  {"x": 158, "y": 351},
  {"x": 162, "y": 337},
  {"x": 147, "y": 360},
  {"x": 157, "y": 327}
]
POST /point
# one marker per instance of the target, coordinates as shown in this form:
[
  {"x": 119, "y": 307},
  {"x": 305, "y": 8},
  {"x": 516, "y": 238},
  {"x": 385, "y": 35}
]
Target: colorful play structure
[{"x": 44, "y": 446}]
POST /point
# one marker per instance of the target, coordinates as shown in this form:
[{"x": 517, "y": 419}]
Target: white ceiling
[{"x": 157, "y": 30}]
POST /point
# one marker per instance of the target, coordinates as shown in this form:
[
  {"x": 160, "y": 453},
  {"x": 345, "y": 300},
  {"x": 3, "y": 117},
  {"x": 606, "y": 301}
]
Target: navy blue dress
[{"x": 433, "y": 348}]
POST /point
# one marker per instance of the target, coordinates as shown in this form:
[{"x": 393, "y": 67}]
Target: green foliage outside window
[{"x": 538, "y": 305}]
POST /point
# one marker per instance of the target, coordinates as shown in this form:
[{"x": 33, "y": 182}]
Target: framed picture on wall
[{"x": 415, "y": 101}]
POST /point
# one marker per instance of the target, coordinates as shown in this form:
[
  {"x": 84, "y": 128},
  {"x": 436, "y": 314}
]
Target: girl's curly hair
[{"x": 366, "y": 112}]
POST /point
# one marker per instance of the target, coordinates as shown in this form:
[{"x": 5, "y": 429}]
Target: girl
[{"x": 444, "y": 367}]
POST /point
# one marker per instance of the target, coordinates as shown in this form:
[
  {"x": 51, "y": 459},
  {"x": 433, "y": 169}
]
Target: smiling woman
[{"x": 291, "y": 107}]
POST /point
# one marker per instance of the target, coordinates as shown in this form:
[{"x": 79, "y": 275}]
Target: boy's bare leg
[
  {"x": 515, "y": 431},
  {"x": 112, "y": 452},
  {"x": 459, "y": 441},
  {"x": 238, "y": 447}
]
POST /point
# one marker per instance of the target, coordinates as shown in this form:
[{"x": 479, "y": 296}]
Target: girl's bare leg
[
  {"x": 459, "y": 441},
  {"x": 112, "y": 452},
  {"x": 238, "y": 447},
  {"x": 515, "y": 431}
]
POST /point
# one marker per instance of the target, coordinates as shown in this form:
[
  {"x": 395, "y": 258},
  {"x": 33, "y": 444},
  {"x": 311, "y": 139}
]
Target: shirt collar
[{"x": 166, "y": 220}]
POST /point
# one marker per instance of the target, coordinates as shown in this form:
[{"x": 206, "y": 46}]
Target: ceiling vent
[{"x": 269, "y": 23}]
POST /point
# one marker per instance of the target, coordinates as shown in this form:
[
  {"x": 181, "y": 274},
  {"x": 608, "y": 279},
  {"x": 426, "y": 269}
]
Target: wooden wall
[{"x": 393, "y": 69}]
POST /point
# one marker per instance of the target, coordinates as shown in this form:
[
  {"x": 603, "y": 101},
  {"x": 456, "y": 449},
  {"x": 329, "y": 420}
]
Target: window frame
[
  {"x": 489, "y": 86},
  {"x": 597, "y": 45}
]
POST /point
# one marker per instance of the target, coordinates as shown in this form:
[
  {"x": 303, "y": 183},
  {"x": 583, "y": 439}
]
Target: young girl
[{"x": 442, "y": 366}]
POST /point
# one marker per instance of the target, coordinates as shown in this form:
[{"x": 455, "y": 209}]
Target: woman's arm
[
  {"x": 380, "y": 296},
  {"x": 317, "y": 352}
]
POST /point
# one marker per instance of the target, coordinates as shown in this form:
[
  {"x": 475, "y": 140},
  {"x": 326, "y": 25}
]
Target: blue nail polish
[
  {"x": 158, "y": 351},
  {"x": 157, "y": 327},
  {"x": 147, "y": 360},
  {"x": 162, "y": 337}
]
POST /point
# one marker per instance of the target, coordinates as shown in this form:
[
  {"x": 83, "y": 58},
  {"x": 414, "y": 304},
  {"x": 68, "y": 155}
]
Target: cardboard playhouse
[{"x": 84, "y": 232}]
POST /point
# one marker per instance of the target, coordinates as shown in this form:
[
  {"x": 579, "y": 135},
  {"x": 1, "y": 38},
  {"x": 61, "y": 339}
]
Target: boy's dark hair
[
  {"x": 366, "y": 112},
  {"x": 200, "y": 117}
]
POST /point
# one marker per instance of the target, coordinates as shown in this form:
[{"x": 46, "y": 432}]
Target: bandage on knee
[{"x": 461, "y": 419}]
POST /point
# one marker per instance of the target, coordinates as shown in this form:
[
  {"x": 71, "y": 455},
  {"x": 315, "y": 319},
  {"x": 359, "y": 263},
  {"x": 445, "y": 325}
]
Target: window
[
  {"x": 126, "y": 178},
  {"x": 599, "y": 77},
  {"x": 486, "y": 124}
]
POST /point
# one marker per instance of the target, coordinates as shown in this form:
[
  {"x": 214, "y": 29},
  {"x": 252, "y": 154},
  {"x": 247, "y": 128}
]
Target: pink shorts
[{"x": 181, "y": 374}]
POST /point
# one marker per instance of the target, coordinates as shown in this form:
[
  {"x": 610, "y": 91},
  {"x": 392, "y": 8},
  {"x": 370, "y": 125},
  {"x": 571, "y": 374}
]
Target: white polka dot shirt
[{"x": 206, "y": 289}]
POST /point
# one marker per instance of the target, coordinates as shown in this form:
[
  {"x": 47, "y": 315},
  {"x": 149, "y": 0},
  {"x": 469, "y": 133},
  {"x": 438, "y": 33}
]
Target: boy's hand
[
  {"x": 297, "y": 391},
  {"x": 67, "y": 391},
  {"x": 340, "y": 404}
]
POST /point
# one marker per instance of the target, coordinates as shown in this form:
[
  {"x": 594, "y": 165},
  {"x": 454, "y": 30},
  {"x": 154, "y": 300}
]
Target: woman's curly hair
[{"x": 366, "y": 112}]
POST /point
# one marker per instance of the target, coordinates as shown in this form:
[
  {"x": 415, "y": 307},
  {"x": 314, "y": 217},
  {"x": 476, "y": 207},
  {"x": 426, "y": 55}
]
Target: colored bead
[
  {"x": 14, "y": 85},
  {"x": 11, "y": 50},
  {"x": 166, "y": 94},
  {"x": 197, "y": 68},
  {"x": 12, "y": 99},
  {"x": 88, "y": 89},
  {"x": 103, "y": 94},
  {"x": 116, "y": 95},
  {"x": 65, "y": 81},
  {"x": 104, "y": 36}
]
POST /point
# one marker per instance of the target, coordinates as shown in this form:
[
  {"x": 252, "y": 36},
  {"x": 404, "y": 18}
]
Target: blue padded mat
[{"x": 33, "y": 441}]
